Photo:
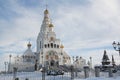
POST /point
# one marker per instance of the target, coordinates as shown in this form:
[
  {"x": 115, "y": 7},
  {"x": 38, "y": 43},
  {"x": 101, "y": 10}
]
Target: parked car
[
  {"x": 55, "y": 72},
  {"x": 60, "y": 72},
  {"x": 51, "y": 72}
]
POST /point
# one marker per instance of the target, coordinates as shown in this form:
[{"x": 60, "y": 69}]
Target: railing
[{"x": 70, "y": 75}]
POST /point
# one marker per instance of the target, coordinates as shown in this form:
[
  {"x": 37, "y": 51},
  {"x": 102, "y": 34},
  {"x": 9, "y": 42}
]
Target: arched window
[
  {"x": 51, "y": 38},
  {"x": 48, "y": 45},
  {"x": 57, "y": 46},
  {"x": 40, "y": 44},
  {"x": 47, "y": 56},
  {"x": 54, "y": 45},
  {"x": 45, "y": 46},
  {"x": 51, "y": 45}
]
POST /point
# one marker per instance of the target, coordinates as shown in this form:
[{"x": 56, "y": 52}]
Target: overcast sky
[{"x": 85, "y": 27}]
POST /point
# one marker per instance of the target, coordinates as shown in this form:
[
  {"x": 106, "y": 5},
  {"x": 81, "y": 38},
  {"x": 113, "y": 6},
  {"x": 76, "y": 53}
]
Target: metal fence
[
  {"x": 71, "y": 75},
  {"x": 34, "y": 76}
]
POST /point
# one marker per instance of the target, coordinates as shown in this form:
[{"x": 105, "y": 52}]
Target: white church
[{"x": 50, "y": 51}]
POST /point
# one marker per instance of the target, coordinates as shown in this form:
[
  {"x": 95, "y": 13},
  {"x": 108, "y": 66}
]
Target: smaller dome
[
  {"x": 28, "y": 52},
  {"x": 61, "y": 46},
  {"x": 51, "y": 25},
  {"x": 29, "y": 44},
  {"x": 46, "y": 11}
]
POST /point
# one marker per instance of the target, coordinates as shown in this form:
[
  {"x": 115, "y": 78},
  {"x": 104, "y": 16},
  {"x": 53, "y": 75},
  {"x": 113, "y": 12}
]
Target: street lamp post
[
  {"x": 5, "y": 66},
  {"x": 116, "y": 46},
  {"x": 9, "y": 65}
]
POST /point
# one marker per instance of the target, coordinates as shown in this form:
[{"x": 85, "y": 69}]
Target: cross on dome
[{"x": 46, "y": 11}]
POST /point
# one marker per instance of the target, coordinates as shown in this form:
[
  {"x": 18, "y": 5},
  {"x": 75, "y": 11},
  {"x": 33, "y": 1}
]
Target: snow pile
[
  {"x": 100, "y": 78},
  {"x": 38, "y": 76}
]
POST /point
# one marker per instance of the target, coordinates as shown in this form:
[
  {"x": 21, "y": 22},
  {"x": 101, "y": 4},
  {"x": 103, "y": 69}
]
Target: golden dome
[
  {"x": 46, "y": 11},
  {"x": 61, "y": 46},
  {"x": 29, "y": 45},
  {"x": 51, "y": 25}
]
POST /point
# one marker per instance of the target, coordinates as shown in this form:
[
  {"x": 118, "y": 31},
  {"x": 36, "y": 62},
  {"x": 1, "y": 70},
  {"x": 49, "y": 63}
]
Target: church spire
[
  {"x": 105, "y": 59},
  {"x": 105, "y": 56},
  {"x": 46, "y": 21},
  {"x": 46, "y": 16},
  {"x": 46, "y": 11}
]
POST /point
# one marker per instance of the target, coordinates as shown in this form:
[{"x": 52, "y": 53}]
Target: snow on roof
[{"x": 28, "y": 52}]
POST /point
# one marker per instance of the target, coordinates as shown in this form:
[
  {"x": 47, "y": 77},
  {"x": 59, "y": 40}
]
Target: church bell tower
[{"x": 48, "y": 46}]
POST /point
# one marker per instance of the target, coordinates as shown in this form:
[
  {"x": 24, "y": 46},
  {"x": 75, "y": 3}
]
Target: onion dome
[
  {"x": 29, "y": 44},
  {"x": 28, "y": 52},
  {"x": 51, "y": 25},
  {"x": 61, "y": 46},
  {"x": 46, "y": 11}
]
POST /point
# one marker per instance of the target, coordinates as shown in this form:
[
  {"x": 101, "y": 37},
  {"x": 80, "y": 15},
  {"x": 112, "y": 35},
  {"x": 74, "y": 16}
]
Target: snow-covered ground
[{"x": 38, "y": 76}]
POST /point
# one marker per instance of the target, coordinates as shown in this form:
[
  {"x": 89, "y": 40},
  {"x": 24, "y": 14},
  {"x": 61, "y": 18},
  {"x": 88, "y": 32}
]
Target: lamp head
[
  {"x": 114, "y": 45},
  {"x": 118, "y": 45}
]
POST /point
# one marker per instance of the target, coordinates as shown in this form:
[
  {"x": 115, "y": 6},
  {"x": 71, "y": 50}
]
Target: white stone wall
[{"x": 22, "y": 66}]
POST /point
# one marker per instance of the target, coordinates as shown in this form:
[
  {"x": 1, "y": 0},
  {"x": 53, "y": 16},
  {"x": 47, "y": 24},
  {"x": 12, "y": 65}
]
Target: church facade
[
  {"x": 49, "y": 47},
  {"x": 50, "y": 51}
]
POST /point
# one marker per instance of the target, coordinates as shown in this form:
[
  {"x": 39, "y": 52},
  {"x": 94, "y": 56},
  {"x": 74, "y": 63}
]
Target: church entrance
[
  {"x": 52, "y": 59},
  {"x": 52, "y": 63}
]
